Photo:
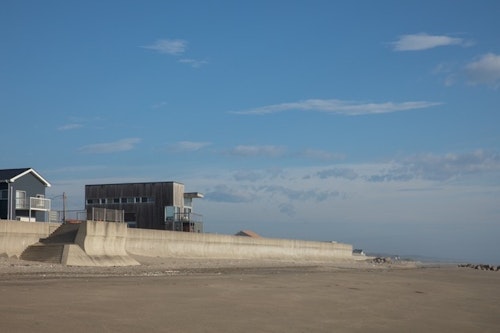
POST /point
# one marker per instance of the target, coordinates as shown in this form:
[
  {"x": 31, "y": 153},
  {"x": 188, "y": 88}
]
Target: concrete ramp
[
  {"x": 83, "y": 244},
  {"x": 73, "y": 255},
  {"x": 103, "y": 243},
  {"x": 50, "y": 253}
]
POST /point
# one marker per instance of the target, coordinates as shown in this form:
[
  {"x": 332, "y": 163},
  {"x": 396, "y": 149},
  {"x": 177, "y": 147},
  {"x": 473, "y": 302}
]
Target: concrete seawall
[
  {"x": 103, "y": 243},
  {"x": 154, "y": 243},
  {"x": 16, "y": 236},
  {"x": 109, "y": 244}
]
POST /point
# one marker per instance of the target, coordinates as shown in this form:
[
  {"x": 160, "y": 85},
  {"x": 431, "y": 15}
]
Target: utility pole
[{"x": 64, "y": 208}]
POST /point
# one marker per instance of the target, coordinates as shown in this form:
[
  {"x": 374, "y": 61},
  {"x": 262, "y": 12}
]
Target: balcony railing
[
  {"x": 33, "y": 203},
  {"x": 106, "y": 215},
  {"x": 188, "y": 217},
  {"x": 39, "y": 204}
]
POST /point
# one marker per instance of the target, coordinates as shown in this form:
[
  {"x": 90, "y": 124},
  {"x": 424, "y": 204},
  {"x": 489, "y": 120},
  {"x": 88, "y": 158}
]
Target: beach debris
[
  {"x": 381, "y": 260},
  {"x": 481, "y": 267}
]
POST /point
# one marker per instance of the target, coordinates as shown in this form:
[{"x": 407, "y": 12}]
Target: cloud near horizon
[
  {"x": 224, "y": 193},
  {"x": 423, "y": 41},
  {"x": 432, "y": 167},
  {"x": 335, "y": 106},
  {"x": 265, "y": 150},
  {"x": 110, "y": 147},
  {"x": 322, "y": 155},
  {"x": 184, "y": 146},
  {"x": 296, "y": 186}
]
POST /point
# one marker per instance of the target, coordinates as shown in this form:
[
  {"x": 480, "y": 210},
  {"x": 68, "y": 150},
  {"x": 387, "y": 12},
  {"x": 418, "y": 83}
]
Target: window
[
  {"x": 123, "y": 200},
  {"x": 4, "y": 195},
  {"x": 116, "y": 200},
  {"x": 90, "y": 201},
  {"x": 21, "y": 200},
  {"x": 102, "y": 201}
]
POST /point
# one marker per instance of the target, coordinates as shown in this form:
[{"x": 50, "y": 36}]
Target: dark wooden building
[
  {"x": 22, "y": 195},
  {"x": 158, "y": 205}
]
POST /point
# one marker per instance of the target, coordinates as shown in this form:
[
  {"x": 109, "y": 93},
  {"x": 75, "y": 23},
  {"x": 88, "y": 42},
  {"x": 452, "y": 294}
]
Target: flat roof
[
  {"x": 135, "y": 183},
  {"x": 193, "y": 195}
]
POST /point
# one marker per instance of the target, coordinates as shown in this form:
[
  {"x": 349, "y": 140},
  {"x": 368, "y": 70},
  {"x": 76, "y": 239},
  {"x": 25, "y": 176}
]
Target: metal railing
[
  {"x": 33, "y": 203},
  {"x": 188, "y": 217},
  {"x": 106, "y": 215},
  {"x": 39, "y": 204},
  {"x": 67, "y": 215}
]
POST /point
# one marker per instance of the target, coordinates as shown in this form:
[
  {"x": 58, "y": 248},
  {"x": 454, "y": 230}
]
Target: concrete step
[
  {"x": 50, "y": 253},
  {"x": 65, "y": 234}
]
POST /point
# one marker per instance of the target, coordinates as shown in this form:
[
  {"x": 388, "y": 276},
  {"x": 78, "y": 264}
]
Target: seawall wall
[
  {"x": 155, "y": 243},
  {"x": 16, "y": 236},
  {"x": 110, "y": 240}
]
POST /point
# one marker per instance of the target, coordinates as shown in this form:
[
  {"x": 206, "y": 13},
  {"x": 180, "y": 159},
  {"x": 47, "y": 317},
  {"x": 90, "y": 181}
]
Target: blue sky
[{"x": 374, "y": 123}]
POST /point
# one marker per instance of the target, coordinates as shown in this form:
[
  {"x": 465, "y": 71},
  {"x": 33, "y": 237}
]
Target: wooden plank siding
[{"x": 149, "y": 213}]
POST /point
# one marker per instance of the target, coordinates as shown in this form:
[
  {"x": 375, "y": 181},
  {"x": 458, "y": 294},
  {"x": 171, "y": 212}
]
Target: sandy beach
[{"x": 193, "y": 295}]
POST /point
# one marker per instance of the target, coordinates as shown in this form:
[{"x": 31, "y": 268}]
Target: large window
[
  {"x": 123, "y": 200},
  {"x": 21, "y": 202}
]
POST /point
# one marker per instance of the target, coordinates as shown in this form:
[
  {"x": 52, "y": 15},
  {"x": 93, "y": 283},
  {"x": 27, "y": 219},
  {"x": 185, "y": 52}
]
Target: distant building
[
  {"x": 358, "y": 252},
  {"x": 22, "y": 195},
  {"x": 248, "y": 233},
  {"x": 158, "y": 205}
]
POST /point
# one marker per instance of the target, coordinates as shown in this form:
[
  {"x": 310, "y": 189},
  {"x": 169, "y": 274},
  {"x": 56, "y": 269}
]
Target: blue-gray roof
[{"x": 10, "y": 175}]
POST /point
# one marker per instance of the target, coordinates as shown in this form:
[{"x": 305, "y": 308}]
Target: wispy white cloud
[
  {"x": 193, "y": 62},
  {"x": 223, "y": 193},
  {"x": 175, "y": 47},
  {"x": 288, "y": 209},
  {"x": 360, "y": 184},
  {"x": 485, "y": 70},
  {"x": 266, "y": 150},
  {"x": 168, "y": 46},
  {"x": 300, "y": 194},
  {"x": 443, "y": 167},
  {"x": 338, "y": 172},
  {"x": 322, "y": 155},
  {"x": 423, "y": 41},
  {"x": 111, "y": 147},
  {"x": 426, "y": 167},
  {"x": 335, "y": 106},
  {"x": 248, "y": 175},
  {"x": 256, "y": 175},
  {"x": 159, "y": 105},
  {"x": 185, "y": 146},
  {"x": 69, "y": 127}
]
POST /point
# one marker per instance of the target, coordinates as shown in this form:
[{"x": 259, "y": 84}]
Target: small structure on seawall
[{"x": 247, "y": 233}]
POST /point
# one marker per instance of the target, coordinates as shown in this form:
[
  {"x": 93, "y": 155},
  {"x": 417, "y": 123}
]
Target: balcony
[
  {"x": 39, "y": 204},
  {"x": 187, "y": 222},
  {"x": 188, "y": 217},
  {"x": 33, "y": 204}
]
